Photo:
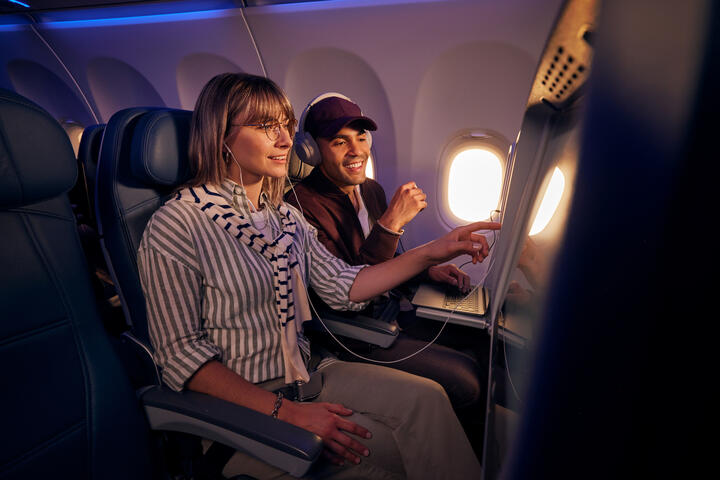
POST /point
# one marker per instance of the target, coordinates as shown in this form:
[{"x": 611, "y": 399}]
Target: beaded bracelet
[{"x": 278, "y": 403}]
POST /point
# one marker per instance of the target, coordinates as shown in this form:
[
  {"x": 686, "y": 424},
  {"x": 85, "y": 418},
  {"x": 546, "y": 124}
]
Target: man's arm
[
  {"x": 408, "y": 201},
  {"x": 382, "y": 242}
]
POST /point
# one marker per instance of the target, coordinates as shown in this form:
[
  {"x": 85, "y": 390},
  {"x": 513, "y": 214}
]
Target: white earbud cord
[
  {"x": 384, "y": 362},
  {"x": 241, "y": 180}
]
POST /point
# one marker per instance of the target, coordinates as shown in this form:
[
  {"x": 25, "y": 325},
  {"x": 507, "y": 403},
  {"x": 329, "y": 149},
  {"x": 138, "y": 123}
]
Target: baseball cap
[{"x": 329, "y": 115}]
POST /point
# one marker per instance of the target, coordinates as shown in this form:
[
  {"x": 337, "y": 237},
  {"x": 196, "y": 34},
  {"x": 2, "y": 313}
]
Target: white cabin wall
[
  {"x": 128, "y": 56},
  {"x": 160, "y": 53},
  {"x": 422, "y": 70},
  {"x": 28, "y": 67}
]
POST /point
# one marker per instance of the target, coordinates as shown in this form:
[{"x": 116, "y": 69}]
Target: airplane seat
[
  {"x": 89, "y": 154},
  {"x": 126, "y": 201},
  {"x": 143, "y": 159},
  {"x": 79, "y": 198},
  {"x": 70, "y": 411},
  {"x": 297, "y": 169}
]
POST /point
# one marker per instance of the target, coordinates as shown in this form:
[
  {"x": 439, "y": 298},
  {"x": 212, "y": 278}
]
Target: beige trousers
[{"x": 416, "y": 434}]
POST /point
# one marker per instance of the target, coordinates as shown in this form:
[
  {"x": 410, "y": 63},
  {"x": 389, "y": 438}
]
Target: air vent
[{"x": 562, "y": 74}]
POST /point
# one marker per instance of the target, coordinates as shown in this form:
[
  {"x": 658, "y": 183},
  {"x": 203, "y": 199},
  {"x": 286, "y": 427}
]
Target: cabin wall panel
[
  {"x": 407, "y": 46},
  {"x": 360, "y": 83},
  {"x": 194, "y": 71},
  {"x": 449, "y": 90},
  {"x": 31, "y": 70},
  {"x": 156, "y": 50},
  {"x": 422, "y": 70}
]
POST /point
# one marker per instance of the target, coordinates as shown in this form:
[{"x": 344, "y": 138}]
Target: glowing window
[
  {"x": 370, "y": 168},
  {"x": 549, "y": 203},
  {"x": 474, "y": 183}
]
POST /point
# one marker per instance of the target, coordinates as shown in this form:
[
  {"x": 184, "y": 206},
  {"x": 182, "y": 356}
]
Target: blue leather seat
[
  {"x": 70, "y": 410},
  {"x": 67, "y": 410},
  {"x": 88, "y": 155},
  {"x": 143, "y": 159},
  {"x": 128, "y": 193}
]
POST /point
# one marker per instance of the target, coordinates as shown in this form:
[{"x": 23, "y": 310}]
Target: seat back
[
  {"x": 68, "y": 410},
  {"x": 88, "y": 155},
  {"x": 143, "y": 159},
  {"x": 297, "y": 169}
]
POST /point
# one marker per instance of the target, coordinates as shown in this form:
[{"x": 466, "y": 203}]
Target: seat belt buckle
[{"x": 305, "y": 391}]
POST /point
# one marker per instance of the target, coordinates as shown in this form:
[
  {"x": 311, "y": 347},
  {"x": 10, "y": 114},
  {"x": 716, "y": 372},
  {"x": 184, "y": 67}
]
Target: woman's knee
[{"x": 424, "y": 392}]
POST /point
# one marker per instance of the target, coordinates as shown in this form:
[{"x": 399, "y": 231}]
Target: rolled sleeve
[
  {"x": 173, "y": 300},
  {"x": 331, "y": 277}
]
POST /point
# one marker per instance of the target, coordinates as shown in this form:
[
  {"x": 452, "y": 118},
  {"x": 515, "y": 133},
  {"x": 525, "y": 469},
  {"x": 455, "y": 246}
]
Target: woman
[{"x": 224, "y": 267}]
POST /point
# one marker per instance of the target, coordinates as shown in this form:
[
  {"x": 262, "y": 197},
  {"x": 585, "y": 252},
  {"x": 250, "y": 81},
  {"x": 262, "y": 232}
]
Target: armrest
[
  {"x": 361, "y": 327},
  {"x": 273, "y": 441}
]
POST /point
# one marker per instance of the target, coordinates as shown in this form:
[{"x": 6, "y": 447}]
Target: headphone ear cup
[{"x": 307, "y": 149}]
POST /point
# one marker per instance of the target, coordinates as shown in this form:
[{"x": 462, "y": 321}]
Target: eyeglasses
[{"x": 272, "y": 130}]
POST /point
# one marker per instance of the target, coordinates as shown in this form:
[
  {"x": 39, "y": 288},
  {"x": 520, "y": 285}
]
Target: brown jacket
[{"x": 329, "y": 210}]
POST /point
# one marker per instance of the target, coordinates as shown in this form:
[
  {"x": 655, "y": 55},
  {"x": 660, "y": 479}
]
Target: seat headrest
[
  {"x": 297, "y": 169},
  {"x": 37, "y": 161},
  {"x": 159, "y": 152},
  {"x": 89, "y": 149}
]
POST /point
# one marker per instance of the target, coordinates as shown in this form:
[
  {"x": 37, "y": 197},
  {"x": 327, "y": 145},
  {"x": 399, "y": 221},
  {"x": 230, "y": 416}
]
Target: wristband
[{"x": 278, "y": 404}]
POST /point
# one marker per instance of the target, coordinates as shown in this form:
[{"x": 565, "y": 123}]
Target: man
[
  {"x": 350, "y": 211},
  {"x": 356, "y": 224}
]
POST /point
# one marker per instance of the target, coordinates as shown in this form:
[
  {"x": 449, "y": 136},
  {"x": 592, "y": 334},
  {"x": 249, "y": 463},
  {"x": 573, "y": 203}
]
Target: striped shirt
[{"x": 209, "y": 296}]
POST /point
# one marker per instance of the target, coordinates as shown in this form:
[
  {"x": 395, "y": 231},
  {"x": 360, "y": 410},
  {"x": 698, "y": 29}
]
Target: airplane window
[
  {"x": 474, "y": 185},
  {"x": 370, "y": 168},
  {"x": 550, "y": 202},
  {"x": 474, "y": 169}
]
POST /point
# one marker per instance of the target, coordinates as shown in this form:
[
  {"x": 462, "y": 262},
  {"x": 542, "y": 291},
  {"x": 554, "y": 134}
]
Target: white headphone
[{"x": 304, "y": 145}]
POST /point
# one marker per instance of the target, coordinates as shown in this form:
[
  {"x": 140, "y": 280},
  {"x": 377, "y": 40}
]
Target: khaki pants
[{"x": 416, "y": 435}]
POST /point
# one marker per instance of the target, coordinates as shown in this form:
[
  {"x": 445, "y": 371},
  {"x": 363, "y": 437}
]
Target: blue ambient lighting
[
  {"x": 19, "y": 3},
  {"x": 133, "y": 14},
  {"x": 138, "y": 20},
  {"x": 176, "y": 11}
]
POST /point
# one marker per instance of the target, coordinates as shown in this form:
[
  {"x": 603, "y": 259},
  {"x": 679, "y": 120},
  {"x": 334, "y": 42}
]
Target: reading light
[
  {"x": 549, "y": 203},
  {"x": 474, "y": 184}
]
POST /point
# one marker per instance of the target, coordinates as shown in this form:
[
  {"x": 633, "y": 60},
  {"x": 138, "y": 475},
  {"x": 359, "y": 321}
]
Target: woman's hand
[
  {"x": 376, "y": 279},
  {"x": 461, "y": 240},
  {"x": 325, "y": 419}
]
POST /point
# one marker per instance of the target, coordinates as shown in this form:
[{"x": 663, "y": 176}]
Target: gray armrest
[
  {"x": 273, "y": 441},
  {"x": 361, "y": 327}
]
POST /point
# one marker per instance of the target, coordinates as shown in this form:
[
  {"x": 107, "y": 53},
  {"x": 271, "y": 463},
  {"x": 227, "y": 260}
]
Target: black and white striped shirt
[{"x": 209, "y": 296}]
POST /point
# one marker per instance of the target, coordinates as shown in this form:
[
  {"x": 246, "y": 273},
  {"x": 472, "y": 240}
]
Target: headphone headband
[{"x": 323, "y": 96}]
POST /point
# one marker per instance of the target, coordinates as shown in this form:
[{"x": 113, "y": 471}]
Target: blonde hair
[{"x": 233, "y": 98}]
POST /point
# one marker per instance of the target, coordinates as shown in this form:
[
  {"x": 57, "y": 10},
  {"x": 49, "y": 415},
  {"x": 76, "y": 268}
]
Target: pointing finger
[{"x": 472, "y": 227}]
